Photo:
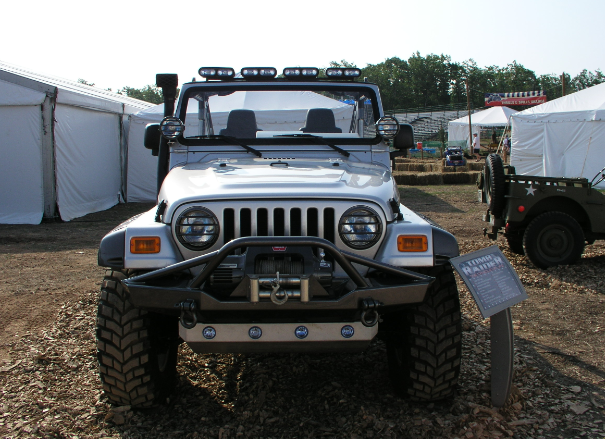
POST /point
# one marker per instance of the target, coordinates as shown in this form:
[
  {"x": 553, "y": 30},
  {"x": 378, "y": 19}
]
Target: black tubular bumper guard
[{"x": 148, "y": 296}]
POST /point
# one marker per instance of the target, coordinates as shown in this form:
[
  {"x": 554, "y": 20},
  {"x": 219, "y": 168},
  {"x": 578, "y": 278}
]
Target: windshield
[{"x": 323, "y": 110}]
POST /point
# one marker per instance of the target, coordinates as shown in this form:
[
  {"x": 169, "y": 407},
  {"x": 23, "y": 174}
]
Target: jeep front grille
[{"x": 278, "y": 221}]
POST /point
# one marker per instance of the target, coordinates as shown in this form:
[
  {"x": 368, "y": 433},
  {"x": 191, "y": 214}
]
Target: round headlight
[
  {"x": 171, "y": 127},
  {"x": 360, "y": 227},
  {"x": 387, "y": 127},
  {"x": 197, "y": 228}
]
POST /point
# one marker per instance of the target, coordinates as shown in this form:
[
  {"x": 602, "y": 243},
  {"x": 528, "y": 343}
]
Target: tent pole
[
  {"x": 470, "y": 125},
  {"x": 48, "y": 156}
]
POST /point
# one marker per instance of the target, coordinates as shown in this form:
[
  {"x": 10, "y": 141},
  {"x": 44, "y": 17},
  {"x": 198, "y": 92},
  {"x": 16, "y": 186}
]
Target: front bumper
[{"x": 324, "y": 316}]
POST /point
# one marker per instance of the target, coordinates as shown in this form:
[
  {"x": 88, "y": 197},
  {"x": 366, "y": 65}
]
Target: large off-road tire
[
  {"x": 424, "y": 343},
  {"x": 494, "y": 186},
  {"x": 136, "y": 349},
  {"x": 515, "y": 244},
  {"x": 553, "y": 238}
]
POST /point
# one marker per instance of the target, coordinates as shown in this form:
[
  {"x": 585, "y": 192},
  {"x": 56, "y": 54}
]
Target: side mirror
[
  {"x": 403, "y": 141},
  {"x": 405, "y": 137},
  {"x": 152, "y": 138}
]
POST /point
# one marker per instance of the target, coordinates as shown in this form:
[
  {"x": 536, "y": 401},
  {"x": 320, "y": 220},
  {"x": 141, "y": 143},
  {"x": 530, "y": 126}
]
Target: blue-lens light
[
  {"x": 347, "y": 331},
  {"x": 209, "y": 332},
  {"x": 255, "y": 333},
  {"x": 301, "y": 332}
]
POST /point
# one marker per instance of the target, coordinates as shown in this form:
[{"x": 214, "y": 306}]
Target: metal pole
[
  {"x": 563, "y": 84},
  {"x": 470, "y": 125}
]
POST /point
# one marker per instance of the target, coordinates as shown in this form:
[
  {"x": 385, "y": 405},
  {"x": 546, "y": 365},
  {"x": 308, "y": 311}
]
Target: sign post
[{"x": 495, "y": 287}]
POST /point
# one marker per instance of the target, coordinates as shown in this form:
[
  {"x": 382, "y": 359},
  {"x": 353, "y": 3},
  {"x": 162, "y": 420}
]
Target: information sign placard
[{"x": 491, "y": 280}]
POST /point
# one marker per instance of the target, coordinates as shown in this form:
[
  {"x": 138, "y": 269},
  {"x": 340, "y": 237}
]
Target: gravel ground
[{"x": 49, "y": 386}]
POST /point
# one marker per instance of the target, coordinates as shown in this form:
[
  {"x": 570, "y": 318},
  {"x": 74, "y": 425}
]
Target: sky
[{"x": 121, "y": 43}]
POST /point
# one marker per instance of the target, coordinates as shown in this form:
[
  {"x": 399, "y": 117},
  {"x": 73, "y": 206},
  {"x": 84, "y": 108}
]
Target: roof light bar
[
  {"x": 346, "y": 73},
  {"x": 216, "y": 72},
  {"x": 301, "y": 72},
  {"x": 258, "y": 72}
]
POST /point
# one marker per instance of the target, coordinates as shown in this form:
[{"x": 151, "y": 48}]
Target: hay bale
[
  {"x": 430, "y": 178},
  {"x": 407, "y": 179},
  {"x": 448, "y": 169}
]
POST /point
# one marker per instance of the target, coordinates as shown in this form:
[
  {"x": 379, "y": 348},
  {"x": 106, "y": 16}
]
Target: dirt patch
[{"x": 49, "y": 385}]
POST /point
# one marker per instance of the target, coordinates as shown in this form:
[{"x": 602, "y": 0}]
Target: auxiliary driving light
[
  {"x": 347, "y": 331},
  {"x": 171, "y": 127},
  {"x": 258, "y": 72},
  {"x": 216, "y": 72},
  {"x": 301, "y": 332},
  {"x": 340, "y": 73},
  {"x": 255, "y": 333},
  {"x": 387, "y": 127},
  {"x": 209, "y": 332},
  {"x": 301, "y": 72}
]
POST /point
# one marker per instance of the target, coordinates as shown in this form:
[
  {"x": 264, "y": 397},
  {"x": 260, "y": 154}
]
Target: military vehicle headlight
[
  {"x": 197, "y": 228},
  {"x": 171, "y": 127},
  {"x": 360, "y": 227}
]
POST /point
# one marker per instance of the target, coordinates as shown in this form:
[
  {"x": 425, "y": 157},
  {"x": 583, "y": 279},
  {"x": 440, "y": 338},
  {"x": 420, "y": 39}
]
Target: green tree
[{"x": 149, "y": 93}]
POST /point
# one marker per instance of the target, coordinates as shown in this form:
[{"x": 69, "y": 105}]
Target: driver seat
[
  {"x": 240, "y": 123},
  {"x": 320, "y": 120}
]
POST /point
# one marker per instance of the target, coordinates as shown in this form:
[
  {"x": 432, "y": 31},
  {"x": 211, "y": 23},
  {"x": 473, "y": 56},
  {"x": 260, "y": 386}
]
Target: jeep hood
[{"x": 262, "y": 179}]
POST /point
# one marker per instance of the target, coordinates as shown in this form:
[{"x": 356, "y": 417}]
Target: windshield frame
[{"x": 368, "y": 89}]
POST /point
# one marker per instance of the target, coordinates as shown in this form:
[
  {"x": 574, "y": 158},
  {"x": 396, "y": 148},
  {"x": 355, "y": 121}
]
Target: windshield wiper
[
  {"x": 235, "y": 141},
  {"x": 318, "y": 139}
]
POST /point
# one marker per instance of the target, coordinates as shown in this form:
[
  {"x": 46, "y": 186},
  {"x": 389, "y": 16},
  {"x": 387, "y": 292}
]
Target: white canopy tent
[
  {"x": 561, "y": 138},
  {"x": 63, "y": 146},
  {"x": 142, "y": 166},
  {"x": 492, "y": 117}
]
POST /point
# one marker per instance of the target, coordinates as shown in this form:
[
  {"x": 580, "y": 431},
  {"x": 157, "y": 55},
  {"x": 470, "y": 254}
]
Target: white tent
[
  {"x": 492, "y": 117},
  {"x": 561, "y": 138},
  {"x": 293, "y": 105},
  {"x": 63, "y": 146}
]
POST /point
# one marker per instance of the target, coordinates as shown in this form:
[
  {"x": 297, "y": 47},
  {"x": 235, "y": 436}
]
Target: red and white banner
[{"x": 517, "y": 98}]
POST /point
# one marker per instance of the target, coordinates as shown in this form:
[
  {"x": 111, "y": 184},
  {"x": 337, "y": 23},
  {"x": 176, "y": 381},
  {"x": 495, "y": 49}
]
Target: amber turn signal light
[
  {"x": 412, "y": 243},
  {"x": 145, "y": 244}
]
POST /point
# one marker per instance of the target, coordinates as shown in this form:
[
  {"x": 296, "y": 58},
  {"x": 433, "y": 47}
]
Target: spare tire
[{"x": 494, "y": 186}]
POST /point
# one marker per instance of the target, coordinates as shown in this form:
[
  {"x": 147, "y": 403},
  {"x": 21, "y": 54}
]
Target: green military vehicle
[{"x": 549, "y": 219}]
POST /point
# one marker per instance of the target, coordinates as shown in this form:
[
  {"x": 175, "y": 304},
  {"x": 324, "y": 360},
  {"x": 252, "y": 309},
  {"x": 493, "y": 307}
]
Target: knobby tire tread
[
  {"x": 124, "y": 348},
  {"x": 424, "y": 346}
]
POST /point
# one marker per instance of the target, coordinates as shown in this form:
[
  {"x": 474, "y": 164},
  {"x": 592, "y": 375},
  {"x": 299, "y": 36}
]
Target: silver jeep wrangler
[{"x": 278, "y": 228}]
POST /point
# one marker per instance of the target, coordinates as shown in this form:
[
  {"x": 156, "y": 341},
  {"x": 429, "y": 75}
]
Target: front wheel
[
  {"x": 424, "y": 343},
  {"x": 553, "y": 238},
  {"x": 136, "y": 349}
]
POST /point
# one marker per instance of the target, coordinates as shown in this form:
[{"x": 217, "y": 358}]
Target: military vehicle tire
[
  {"x": 136, "y": 349},
  {"x": 553, "y": 238},
  {"x": 424, "y": 343},
  {"x": 494, "y": 186},
  {"x": 515, "y": 244}
]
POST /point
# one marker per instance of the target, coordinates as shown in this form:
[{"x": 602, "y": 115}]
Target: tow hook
[
  {"x": 278, "y": 296},
  {"x": 188, "y": 315},
  {"x": 369, "y": 315}
]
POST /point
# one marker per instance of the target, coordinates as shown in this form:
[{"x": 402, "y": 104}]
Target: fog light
[
  {"x": 171, "y": 127},
  {"x": 387, "y": 127},
  {"x": 209, "y": 332},
  {"x": 301, "y": 332},
  {"x": 255, "y": 333},
  {"x": 347, "y": 331}
]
